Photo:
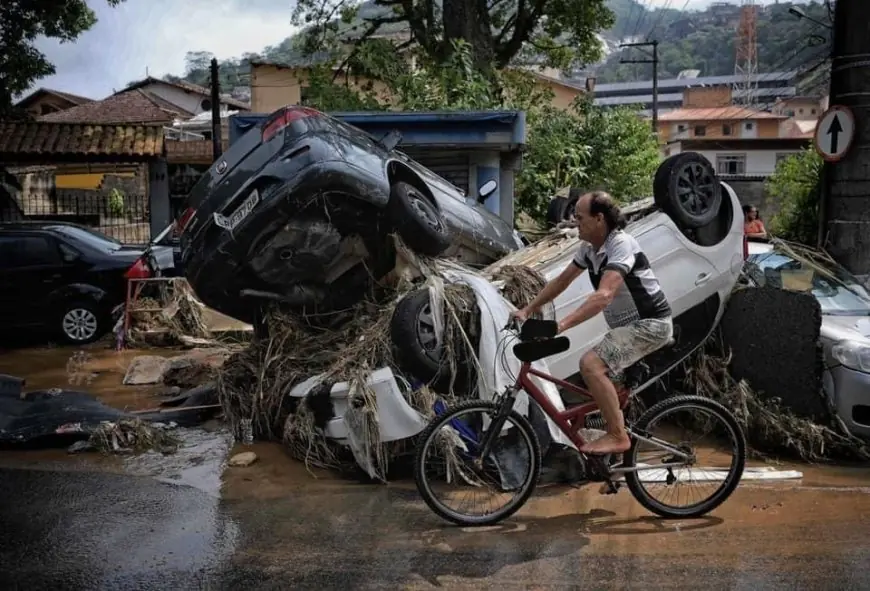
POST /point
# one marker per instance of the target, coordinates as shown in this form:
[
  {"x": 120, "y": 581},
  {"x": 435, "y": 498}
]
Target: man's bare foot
[{"x": 607, "y": 444}]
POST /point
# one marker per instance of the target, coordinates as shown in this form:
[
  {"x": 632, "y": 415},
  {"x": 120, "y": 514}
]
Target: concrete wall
[
  {"x": 714, "y": 129},
  {"x": 758, "y": 162}
]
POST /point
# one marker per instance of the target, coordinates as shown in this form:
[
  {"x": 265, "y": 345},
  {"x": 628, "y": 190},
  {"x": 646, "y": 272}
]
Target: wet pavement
[
  {"x": 187, "y": 522},
  {"x": 163, "y": 523}
]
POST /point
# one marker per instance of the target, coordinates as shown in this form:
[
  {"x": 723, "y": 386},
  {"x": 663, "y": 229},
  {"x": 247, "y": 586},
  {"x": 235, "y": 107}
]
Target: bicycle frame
[{"x": 570, "y": 421}]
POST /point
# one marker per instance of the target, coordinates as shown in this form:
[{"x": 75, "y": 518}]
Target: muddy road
[{"x": 188, "y": 522}]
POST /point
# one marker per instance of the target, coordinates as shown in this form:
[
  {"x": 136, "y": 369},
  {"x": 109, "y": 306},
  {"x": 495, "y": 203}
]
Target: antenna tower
[{"x": 745, "y": 88}]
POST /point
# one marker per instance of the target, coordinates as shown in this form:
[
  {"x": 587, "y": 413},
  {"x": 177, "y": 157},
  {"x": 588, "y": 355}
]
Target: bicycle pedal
[{"x": 609, "y": 488}]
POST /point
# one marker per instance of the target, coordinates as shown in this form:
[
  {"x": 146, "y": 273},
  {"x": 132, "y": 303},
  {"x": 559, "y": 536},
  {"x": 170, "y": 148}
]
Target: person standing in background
[{"x": 753, "y": 227}]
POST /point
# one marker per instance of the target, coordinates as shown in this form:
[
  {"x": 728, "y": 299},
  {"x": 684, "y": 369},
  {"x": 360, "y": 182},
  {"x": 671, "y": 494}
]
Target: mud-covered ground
[{"x": 186, "y": 522}]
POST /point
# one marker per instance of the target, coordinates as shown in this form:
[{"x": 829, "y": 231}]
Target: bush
[{"x": 796, "y": 184}]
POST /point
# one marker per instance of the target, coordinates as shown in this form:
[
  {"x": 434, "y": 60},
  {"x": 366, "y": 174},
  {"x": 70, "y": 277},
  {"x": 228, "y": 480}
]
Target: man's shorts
[{"x": 624, "y": 346}]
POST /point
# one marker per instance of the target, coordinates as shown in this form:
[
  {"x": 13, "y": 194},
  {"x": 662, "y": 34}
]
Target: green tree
[
  {"x": 21, "y": 23},
  {"x": 796, "y": 184},
  {"x": 563, "y": 32}
]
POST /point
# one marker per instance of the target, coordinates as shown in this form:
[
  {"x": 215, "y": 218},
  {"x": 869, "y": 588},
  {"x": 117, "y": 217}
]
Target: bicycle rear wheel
[
  {"x": 513, "y": 464},
  {"x": 723, "y": 480}
]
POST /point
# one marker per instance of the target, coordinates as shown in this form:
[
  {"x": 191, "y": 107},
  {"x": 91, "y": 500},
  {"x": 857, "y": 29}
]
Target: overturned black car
[{"x": 300, "y": 209}]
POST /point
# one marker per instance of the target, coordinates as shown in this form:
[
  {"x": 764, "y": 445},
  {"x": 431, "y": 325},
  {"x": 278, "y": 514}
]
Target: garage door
[{"x": 453, "y": 166}]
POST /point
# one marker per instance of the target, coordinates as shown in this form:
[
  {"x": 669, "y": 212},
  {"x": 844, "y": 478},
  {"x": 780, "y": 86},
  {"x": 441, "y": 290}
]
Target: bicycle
[{"x": 538, "y": 340}]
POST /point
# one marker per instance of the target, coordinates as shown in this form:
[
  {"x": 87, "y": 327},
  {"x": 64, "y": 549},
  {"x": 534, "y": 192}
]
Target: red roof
[
  {"x": 135, "y": 106},
  {"x": 73, "y": 98},
  {"x": 732, "y": 113}
]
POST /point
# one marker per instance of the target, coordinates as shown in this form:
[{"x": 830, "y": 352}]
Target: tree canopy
[
  {"x": 562, "y": 32},
  {"x": 21, "y": 23}
]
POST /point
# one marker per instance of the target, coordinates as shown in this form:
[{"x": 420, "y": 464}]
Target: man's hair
[{"x": 601, "y": 202}]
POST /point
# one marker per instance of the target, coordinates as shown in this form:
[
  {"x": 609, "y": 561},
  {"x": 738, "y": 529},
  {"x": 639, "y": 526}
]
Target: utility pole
[
  {"x": 847, "y": 207},
  {"x": 655, "y": 64},
  {"x": 217, "y": 145}
]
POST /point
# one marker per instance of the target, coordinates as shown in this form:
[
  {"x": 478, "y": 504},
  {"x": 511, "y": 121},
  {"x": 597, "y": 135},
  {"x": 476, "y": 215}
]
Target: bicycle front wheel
[
  {"x": 448, "y": 465},
  {"x": 663, "y": 432}
]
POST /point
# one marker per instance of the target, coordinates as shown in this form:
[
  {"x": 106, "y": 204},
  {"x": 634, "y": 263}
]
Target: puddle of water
[
  {"x": 198, "y": 463},
  {"x": 94, "y": 369}
]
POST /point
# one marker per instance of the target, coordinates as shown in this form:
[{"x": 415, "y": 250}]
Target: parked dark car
[
  {"x": 301, "y": 207},
  {"x": 64, "y": 278}
]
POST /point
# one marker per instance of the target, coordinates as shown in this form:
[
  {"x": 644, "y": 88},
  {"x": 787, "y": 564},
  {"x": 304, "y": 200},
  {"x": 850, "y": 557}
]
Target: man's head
[
  {"x": 750, "y": 212},
  {"x": 597, "y": 214}
]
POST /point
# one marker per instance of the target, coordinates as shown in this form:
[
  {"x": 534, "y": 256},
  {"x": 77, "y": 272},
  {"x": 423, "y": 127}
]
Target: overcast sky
[{"x": 155, "y": 35}]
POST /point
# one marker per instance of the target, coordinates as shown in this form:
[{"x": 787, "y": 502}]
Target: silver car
[{"x": 845, "y": 330}]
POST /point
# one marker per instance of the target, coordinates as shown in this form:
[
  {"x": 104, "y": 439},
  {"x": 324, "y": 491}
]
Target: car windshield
[
  {"x": 90, "y": 237},
  {"x": 839, "y": 292}
]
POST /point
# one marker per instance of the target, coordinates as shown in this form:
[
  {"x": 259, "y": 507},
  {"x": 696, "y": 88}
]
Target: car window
[
  {"x": 837, "y": 291},
  {"x": 28, "y": 251},
  {"x": 89, "y": 237}
]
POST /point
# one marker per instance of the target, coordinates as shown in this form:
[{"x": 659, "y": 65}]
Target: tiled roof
[
  {"x": 41, "y": 137},
  {"x": 717, "y": 114},
  {"x": 135, "y": 106},
  {"x": 73, "y": 98},
  {"x": 186, "y": 86}
]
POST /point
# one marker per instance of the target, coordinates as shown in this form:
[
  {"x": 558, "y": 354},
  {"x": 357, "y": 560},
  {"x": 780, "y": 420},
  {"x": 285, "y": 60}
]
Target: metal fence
[{"x": 122, "y": 216}]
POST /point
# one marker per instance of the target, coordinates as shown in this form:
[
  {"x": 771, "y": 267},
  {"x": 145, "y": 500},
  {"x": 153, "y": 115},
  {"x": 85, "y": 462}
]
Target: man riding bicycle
[{"x": 629, "y": 294}]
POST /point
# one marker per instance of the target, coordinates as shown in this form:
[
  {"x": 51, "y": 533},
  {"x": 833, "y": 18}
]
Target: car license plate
[{"x": 230, "y": 222}]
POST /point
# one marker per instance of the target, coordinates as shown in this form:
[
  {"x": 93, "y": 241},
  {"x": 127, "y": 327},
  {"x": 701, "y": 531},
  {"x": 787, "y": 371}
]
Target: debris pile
[
  {"x": 133, "y": 436},
  {"x": 173, "y": 312},
  {"x": 766, "y": 423}
]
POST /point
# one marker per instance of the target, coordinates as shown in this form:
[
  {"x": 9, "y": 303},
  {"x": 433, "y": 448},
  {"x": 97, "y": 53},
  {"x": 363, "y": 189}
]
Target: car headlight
[{"x": 852, "y": 354}]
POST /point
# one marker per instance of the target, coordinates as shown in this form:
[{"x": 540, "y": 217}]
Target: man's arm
[
  {"x": 555, "y": 287},
  {"x": 594, "y": 304}
]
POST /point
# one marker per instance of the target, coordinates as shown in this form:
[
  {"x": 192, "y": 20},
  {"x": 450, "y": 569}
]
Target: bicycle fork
[{"x": 506, "y": 404}]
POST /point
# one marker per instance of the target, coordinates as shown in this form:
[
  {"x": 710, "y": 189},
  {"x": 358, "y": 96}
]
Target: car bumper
[
  {"x": 217, "y": 261},
  {"x": 850, "y": 392}
]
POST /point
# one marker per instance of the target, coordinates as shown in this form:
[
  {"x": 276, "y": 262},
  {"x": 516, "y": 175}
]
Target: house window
[
  {"x": 726, "y": 129},
  {"x": 748, "y": 126},
  {"x": 681, "y": 128},
  {"x": 731, "y": 163},
  {"x": 700, "y": 130},
  {"x": 812, "y": 111}
]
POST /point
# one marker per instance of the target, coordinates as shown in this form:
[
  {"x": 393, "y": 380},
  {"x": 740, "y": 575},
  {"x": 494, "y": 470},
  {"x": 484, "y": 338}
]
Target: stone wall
[{"x": 751, "y": 191}]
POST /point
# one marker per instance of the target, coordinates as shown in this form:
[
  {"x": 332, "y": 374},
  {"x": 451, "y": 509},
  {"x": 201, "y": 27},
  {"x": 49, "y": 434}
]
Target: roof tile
[
  {"x": 50, "y": 138},
  {"x": 717, "y": 114},
  {"x": 136, "y": 106}
]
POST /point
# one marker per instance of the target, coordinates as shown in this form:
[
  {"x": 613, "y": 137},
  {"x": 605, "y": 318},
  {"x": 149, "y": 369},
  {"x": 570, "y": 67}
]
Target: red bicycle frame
[{"x": 570, "y": 421}]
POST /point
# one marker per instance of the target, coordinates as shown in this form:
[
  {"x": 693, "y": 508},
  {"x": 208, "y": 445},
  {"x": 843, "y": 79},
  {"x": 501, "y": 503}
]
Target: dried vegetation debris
[
  {"x": 134, "y": 436},
  {"x": 174, "y": 310},
  {"x": 769, "y": 427}
]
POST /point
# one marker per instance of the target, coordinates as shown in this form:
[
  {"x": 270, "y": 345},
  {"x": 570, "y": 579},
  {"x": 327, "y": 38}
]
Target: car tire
[
  {"x": 82, "y": 322},
  {"x": 417, "y": 220},
  {"x": 556, "y": 210},
  {"x": 688, "y": 170},
  {"x": 416, "y": 347}
]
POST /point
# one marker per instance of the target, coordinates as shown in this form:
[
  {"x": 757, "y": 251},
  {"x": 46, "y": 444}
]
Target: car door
[
  {"x": 31, "y": 269},
  {"x": 686, "y": 276}
]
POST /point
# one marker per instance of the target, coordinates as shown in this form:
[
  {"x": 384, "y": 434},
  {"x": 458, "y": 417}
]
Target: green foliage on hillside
[{"x": 706, "y": 40}]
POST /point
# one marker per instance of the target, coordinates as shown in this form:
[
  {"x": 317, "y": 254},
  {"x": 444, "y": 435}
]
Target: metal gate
[{"x": 452, "y": 165}]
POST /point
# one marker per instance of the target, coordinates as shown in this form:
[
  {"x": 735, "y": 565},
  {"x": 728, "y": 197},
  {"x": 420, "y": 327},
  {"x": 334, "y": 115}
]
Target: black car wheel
[
  {"x": 417, "y": 220},
  {"x": 81, "y": 323},
  {"x": 686, "y": 187},
  {"x": 417, "y": 347}
]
